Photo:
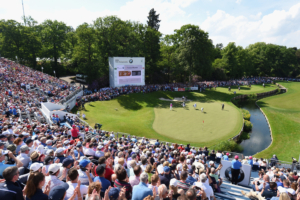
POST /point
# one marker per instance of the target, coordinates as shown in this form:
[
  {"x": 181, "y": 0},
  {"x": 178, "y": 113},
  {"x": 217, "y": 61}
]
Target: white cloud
[
  {"x": 238, "y": 1},
  {"x": 280, "y": 27}
]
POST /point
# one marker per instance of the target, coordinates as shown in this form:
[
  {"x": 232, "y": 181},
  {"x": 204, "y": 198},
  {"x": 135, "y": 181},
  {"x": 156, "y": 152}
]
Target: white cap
[
  {"x": 160, "y": 169},
  {"x": 67, "y": 142},
  {"x": 59, "y": 150},
  {"x": 35, "y": 166},
  {"x": 54, "y": 167},
  {"x": 99, "y": 147},
  {"x": 173, "y": 182},
  {"x": 49, "y": 142},
  {"x": 211, "y": 162}
]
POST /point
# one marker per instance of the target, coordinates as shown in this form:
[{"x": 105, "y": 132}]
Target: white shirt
[
  {"x": 24, "y": 158},
  {"x": 219, "y": 155},
  {"x": 54, "y": 181},
  {"x": 84, "y": 178},
  {"x": 99, "y": 154},
  {"x": 207, "y": 189},
  {"x": 72, "y": 186}
]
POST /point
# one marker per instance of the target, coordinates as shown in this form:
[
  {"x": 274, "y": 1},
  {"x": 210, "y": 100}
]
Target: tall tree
[
  {"x": 153, "y": 19},
  {"x": 194, "y": 50}
]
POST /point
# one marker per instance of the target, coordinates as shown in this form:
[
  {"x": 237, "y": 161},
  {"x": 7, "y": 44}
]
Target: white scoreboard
[{"x": 126, "y": 71}]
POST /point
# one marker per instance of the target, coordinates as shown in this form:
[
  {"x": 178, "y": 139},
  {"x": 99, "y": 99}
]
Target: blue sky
[{"x": 241, "y": 21}]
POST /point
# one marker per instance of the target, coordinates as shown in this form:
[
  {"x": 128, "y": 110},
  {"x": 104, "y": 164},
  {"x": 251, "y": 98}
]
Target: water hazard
[{"x": 260, "y": 135}]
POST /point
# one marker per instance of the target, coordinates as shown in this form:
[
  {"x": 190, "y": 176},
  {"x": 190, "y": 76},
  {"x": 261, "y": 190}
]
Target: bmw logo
[{"x": 130, "y": 61}]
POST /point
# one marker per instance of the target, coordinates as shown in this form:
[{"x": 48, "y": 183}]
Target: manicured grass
[
  {"x": 283, "y": 112},
  {"x": 146, "y": 115}
]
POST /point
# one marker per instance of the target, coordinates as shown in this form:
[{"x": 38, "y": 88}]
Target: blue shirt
[
  {"x": 76, "y": 153},
  {"x": 235, "y": 164},
  {"x": 225, "y": 157},
  {"x": 104, "y": 182},
  {"x": 190, "y": 180},
  {"x": 250, "y": 162},
  {"x": 141, "y": 191},
  {"x": 4, "y": 166}
]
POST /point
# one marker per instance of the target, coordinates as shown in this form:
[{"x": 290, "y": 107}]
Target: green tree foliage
[
  {"x": 153, "y": 20},
  {"x": 53, "y": 37},
  {"x": 194, "y": 50},
  {"x": 187, "y": 55}
]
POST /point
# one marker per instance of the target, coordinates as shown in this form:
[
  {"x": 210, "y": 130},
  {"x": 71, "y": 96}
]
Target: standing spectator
[
  {"x": 11, "y": 189},
  {"x": 74, "y": 132},
  {"x": 235, "y": 170},
  {"x": 141, "y": 190},
  {"x": 165, "y": 177}
]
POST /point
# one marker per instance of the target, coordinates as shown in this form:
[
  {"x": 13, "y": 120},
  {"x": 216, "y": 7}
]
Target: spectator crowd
[{"x": 48, "y": 161}]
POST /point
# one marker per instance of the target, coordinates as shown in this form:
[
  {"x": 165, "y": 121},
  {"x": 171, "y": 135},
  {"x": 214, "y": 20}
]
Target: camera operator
[{"x": 10, "y": 155}]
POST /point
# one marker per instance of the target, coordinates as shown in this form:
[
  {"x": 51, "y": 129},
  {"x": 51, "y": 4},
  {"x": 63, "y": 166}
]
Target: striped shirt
[{"x": 183, "y": 185}]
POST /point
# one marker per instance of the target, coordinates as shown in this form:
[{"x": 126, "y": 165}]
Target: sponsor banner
[
  {"x": 176, "y": 89},
  {"x": 181, "y": 89},
  {"x": 193, "y": 88}
]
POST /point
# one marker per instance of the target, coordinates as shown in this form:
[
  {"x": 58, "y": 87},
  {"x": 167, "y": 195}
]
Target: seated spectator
[
  {"x": 94, "y": 186},
  {"x": 35, "y": 183},
  {"x": 182, "y": 184},
  {"x": 85, "y": 175},
  {"x": 135, "y": 180},
  {"x": 73, "y": 183},
  {"x": 23, "y": 157},
  {"x": 53, "y": 173},
  {"x": 141, "y": 190},
  {"x": 104, "y": 182},
  {"x": 11, "y": 188},
  {"x": 3, "y": 166},
  {"x": 205, "y": 186},
  {"x": 122, "y": 181}
]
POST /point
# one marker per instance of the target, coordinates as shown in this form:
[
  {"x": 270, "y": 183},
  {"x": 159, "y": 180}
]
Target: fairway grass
[
  {"x": 146, "y": 115},
  {"x": 283, "y": 113}
]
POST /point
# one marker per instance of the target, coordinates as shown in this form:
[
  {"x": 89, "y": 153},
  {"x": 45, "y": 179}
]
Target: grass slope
[
  {"x": 146, "y": 115},
  {"x": 283, "y": 112}
]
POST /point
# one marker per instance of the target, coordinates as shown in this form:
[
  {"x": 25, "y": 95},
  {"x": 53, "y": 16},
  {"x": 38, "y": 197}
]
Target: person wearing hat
[
  {"x": 225, "y": 157},
  {"x": 235, "y": 170},
  {"x": 100, "y": 170},
  {"x": 85, "y": 175},
  {"x": 23, "y": 156},
  {"x": 78, "y": 152},
  {"x": 165, "y": 176},
  {"x": 3, "y": 166},
  {"x": 60, "y": 154},
  {"x": 250, "y": 161},
  {"x": 11, "y": 189},
  {"x": 190, "y": 179},
  {"x": 59, "y": 192},
  {"x": 53, "y": 176}
]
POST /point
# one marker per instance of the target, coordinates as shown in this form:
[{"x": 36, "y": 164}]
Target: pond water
[{"x": 260, "y": 135}]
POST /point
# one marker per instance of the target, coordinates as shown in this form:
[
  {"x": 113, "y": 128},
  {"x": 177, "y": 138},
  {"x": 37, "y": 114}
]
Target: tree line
[{"x": 187, "y": 55}]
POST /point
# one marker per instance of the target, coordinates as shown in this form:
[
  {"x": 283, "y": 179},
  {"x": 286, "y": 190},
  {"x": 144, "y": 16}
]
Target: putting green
[
  {"x": 146, "y": 115},
  {"x": 283, "y": 112},
  {"x": 188, "y": 124}
]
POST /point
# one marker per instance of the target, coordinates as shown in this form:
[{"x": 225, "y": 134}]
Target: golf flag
[{"x": 203, "y": 121}]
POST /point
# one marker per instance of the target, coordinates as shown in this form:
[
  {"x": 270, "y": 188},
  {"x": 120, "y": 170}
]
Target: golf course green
[
  {"x": 145, "y": 115},
  {"x": 283, "y": 112}
]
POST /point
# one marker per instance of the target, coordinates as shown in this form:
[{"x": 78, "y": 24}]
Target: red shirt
[
  {"x": 108, "y": 173},
  {"x": 74, "y": 132}
]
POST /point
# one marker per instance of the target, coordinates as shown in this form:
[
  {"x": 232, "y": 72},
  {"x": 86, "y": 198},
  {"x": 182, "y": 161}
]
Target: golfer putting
[{"x": 195, "y": 106}]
